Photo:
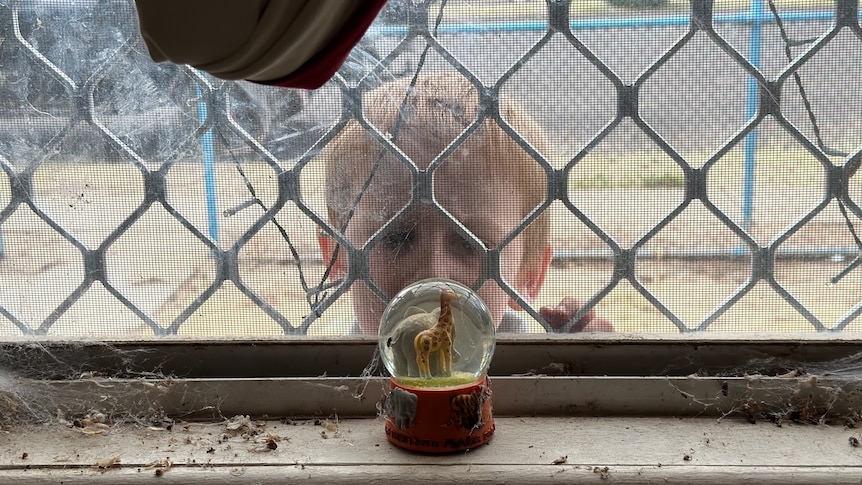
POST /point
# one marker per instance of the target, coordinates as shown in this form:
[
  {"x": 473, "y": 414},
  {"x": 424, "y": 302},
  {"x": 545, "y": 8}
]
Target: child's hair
[{"x": 436, "y": 111}]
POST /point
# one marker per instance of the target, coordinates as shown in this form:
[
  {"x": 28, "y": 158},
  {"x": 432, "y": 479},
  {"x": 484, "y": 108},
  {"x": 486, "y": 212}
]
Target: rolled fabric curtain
[{"x": 289, "y": 43}]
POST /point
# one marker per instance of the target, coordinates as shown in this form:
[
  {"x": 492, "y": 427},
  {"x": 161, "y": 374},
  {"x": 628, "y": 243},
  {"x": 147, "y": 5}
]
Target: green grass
[
  {"x": 655, "y": 170},
  {"x": 635, "y": 169},
  {"x": 497, "y": 10},
  {"x": 455, "y": 380},
  {"x": 622, "y": 171}
]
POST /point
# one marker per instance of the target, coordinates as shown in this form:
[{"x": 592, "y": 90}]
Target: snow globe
[{"x": 436, "y": 340}]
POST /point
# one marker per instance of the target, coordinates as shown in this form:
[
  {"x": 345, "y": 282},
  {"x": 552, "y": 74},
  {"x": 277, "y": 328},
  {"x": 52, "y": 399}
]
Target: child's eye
[{"x": 396, "y": 239}]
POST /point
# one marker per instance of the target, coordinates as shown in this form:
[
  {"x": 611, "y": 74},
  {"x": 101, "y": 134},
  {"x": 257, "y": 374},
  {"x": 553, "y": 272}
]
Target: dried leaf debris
[{"x": 107, "y": 463}]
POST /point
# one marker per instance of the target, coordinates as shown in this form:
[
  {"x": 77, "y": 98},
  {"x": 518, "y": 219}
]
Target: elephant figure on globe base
[{"x": 401, "y": 407}]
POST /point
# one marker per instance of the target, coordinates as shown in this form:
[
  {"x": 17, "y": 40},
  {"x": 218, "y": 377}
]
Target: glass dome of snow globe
[{"x": 436, "y": 333}]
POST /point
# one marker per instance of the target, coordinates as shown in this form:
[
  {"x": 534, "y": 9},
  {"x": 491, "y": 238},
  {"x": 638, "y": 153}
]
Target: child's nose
[{"x": 440, "y": 262}]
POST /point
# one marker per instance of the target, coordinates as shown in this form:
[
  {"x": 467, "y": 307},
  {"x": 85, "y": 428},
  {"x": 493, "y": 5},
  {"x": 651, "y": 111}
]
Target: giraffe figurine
[{"x": 437, "y": 338}]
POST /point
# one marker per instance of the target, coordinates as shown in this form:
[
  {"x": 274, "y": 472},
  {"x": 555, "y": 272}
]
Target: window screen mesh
[{"x": 635, "y": 165}]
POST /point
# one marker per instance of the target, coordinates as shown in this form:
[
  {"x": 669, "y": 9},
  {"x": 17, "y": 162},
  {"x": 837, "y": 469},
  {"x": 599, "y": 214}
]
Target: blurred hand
[{"x": 558, "y": 316}]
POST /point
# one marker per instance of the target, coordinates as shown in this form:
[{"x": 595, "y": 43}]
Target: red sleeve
[
  {"x": 289, "y": 43},
  {"x": 320, "y": 68}
]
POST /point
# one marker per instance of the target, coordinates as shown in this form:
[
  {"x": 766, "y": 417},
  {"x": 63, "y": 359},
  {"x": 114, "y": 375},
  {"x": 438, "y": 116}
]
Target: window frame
[
  {"x": 620, "y": 413},
  {"x": 541, "y": 381},
  {"x": 531, "y": 375}
]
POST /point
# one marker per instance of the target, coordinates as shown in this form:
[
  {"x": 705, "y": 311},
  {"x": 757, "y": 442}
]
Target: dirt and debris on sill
[{"x": 525, "y": 450}]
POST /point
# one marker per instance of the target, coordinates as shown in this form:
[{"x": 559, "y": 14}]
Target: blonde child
[{"x": 488, "y": 183}]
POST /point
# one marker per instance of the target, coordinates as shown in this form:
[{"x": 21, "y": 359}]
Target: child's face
[{"x": 423, "y": 244}]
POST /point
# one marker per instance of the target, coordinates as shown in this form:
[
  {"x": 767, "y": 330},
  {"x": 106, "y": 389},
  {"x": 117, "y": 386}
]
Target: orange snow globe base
[
  {"x": 436, "y": 340},
  {"x": 446, "y": 419}
]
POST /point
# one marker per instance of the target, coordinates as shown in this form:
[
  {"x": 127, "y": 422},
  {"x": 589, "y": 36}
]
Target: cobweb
[
  {"x": 91, "y": 386},
  {"x": 782, "y": 390},
  {"x": 31, "y": 390}
]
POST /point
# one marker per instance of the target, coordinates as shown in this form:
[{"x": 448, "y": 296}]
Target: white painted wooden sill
[
  {"x": 625, "y": 409},
  {"x": 524, "y": 450}
]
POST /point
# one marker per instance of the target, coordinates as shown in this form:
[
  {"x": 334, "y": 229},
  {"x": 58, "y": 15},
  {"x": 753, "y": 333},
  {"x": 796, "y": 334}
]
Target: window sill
[
  {"x": 523, "y": 450},
  {"x": 585, "y": 400}
]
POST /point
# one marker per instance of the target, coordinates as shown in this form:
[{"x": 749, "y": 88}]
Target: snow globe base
[
  {"x": 439, "y": 419},
  {"x": 436, "y": 340}
]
